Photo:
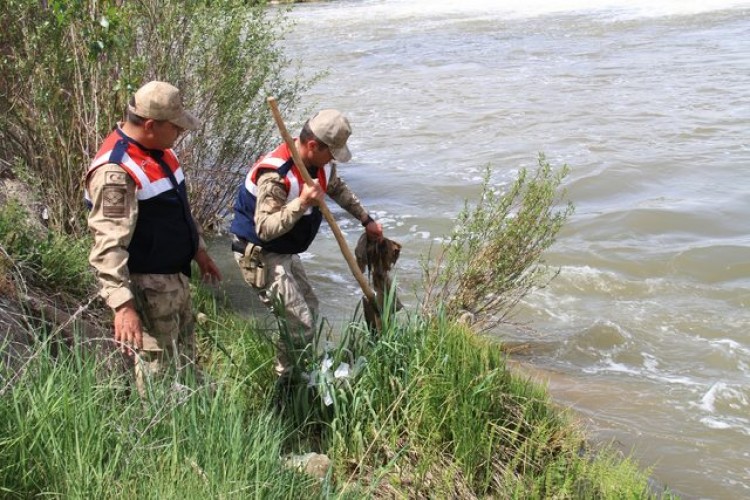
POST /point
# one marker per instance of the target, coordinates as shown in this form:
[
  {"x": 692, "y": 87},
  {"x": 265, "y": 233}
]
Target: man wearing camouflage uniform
[
  {"x": 144, "y": 234},
  {"x": 277, "y": 217}
]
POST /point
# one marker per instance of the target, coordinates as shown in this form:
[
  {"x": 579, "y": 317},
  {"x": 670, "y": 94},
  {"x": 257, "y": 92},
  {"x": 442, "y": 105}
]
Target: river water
[{"x": 645, "y": 331}]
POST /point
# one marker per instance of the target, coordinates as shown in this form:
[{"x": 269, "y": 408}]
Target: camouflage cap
[
  {"x": 162, "y": 101},
  {"x": 333, "y": 128}
]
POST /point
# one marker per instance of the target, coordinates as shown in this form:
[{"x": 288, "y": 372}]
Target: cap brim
[
  {"x": 341, "y": 154},
  {"x": 186, "y": 121}
]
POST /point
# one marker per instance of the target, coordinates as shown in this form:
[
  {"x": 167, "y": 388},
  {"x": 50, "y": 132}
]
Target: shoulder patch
[
  {"x": 114, "y": 201},
  {"x": 116, "y": 178}
]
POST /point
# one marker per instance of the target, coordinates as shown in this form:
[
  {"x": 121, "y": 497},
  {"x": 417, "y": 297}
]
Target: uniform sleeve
[
  {"x": 345, "y": 197},
  {"x": 275, "y": 217},
  {"x": 112, "y": 222}
]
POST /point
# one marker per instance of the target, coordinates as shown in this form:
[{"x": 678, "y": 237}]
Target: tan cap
[
  {"x": 162, "y": 101},
  {"x": 333, "y": 129}
]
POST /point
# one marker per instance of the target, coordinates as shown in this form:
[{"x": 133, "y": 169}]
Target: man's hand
[
  {"x": 209, "y": 271},
  {"x": 374, "y": 230},
  {"x": 128, "y": 329},
  {"x": 312, "y": 196}
]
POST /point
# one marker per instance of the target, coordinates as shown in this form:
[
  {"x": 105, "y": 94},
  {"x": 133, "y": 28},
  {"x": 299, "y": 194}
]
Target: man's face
[
  {"x": 320, "y": 154},
  {"x": 165, "y": 133}
]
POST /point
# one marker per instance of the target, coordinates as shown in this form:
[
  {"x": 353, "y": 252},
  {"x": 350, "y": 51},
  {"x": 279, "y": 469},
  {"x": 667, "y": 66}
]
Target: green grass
[
  {"x": 55, "y": 261},
  {"x": 434, "y": 411},
  {"x": 69, "y": 430}
]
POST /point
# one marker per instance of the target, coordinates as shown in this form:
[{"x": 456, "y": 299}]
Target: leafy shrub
[
  {"x": 67, "y": 69},
  {"x": 493, "y": 258}
]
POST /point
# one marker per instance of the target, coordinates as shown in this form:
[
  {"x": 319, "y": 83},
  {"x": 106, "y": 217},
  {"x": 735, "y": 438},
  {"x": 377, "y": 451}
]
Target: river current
[{"x": 644, "y": 333}]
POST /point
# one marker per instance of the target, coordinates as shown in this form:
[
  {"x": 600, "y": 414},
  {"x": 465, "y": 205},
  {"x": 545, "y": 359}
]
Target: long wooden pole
[{"x": 323, "y": 207}]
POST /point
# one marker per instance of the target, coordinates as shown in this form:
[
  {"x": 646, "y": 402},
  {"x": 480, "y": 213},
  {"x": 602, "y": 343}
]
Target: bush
[
  {"x": 493, "y": 258},
  {"x": 67, "y": 69}
]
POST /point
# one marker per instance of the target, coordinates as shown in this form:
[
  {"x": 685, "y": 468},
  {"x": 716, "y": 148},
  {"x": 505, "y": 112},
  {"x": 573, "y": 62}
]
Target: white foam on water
[
  {"x": 741, "y": 425},
  {"x": 339, "y": 279},
  {"x": 727, "y": 407},
  {"x": 648, "y": 371},
  {"x": 730, "y": 345},
  {"x": 714, "y": 423},
  {"x": 614, "y": 9},
  {"x": 650, "y": 362},
  {"x": 587, "y": 277},
  {"x": 674, "y": 379},
  {"x": 610, "y": 366},
  {"x": 708, "y": 401}
]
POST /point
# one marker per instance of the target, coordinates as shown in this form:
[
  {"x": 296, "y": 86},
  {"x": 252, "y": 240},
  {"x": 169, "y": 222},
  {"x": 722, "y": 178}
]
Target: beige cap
[
  {"x": 162, "y": 101},
  {"x": 333, "y": 128}
]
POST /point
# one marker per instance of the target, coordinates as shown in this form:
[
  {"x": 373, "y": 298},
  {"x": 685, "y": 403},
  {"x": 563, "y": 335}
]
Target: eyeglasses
[{"x": 179, "y": 129}]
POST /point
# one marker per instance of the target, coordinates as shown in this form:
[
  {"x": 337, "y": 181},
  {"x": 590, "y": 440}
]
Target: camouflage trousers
[
  {"x": 288, "y": 294},
  {"x": 164, "y": 305}
]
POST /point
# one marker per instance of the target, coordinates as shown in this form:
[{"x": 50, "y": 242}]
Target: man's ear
[
  {"x": 309, "y": 147},
  {"x": 148, "y": 125}
]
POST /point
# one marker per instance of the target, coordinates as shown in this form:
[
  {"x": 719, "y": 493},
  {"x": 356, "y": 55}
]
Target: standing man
[
  {"x": 144, "y": 234},
  {"x": 277, "y": 217}
]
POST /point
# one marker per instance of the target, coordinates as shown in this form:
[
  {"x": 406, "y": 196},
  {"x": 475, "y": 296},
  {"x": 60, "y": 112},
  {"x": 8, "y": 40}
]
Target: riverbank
[{"x": 429, "y": 409}]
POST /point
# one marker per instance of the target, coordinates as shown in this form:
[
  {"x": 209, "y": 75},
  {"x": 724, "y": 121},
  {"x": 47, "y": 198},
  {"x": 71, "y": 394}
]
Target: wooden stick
[{"x": 323, "y": 207}]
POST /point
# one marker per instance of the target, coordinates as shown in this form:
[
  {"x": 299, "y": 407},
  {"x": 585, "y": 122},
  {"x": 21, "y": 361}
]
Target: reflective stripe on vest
[
  {"x": 165, "y": 238},
  {"x": 292, "y": 180},
  {"x": 148, "y": 175}
]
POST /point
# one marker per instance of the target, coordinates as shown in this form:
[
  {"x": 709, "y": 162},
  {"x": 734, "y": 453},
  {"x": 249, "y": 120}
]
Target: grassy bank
[
  {"x": 433, "y": 412},
  {"x": 69, "y": 431}
]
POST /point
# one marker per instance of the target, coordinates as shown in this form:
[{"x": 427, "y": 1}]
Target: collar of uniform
[{"x": 156, "y": 153}]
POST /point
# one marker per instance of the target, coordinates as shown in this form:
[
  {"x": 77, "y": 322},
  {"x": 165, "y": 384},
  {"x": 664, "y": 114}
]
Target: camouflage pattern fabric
[
  {"x": 164, "y": 305},
  {"x": 112, "y": 220},
  {"x": 275, "y": 215},
  {"x": 287, "y": 291},
  {"x": 290, "y": 296}
]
